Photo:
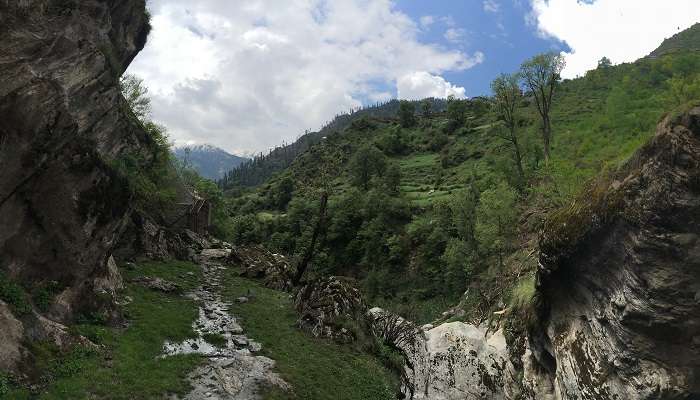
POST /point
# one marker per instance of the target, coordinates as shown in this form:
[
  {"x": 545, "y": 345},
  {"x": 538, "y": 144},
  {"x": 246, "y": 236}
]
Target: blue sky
[
  {"x": 499, "y": 31},
  {"x": 251, "y": 74}
]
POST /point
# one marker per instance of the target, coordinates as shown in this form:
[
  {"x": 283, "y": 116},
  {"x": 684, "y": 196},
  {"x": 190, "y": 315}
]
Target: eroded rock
[
  {"x": 331, "y": 308},
  {"x": 63, "y": 122},
  {"x": 256, "y": 262},
  {"x": 619, "y": 274}
]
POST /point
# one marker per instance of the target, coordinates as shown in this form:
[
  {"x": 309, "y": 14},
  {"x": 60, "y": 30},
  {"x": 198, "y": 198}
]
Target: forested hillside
[
  {"x": 262, "y": 167},
  {"x": 422, "y": 207}
]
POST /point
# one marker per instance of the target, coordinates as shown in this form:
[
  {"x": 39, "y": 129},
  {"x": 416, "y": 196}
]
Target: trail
[{"x": 232, "y": 371}]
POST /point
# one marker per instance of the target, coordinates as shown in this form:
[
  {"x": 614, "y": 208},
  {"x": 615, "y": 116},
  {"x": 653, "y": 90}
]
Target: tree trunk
[
  {"x": 518, "y": 156},
  {"x": 309, "y": 253},
  {"x": 546, "y": 136}
]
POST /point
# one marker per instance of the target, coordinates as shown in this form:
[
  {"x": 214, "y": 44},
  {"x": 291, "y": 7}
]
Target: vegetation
[
  {"x": 422, "y": 213},
  {"x": 540, "y": 75},
  {"x": 317, "y": 369},
  {"x": 128, "y": 366}
]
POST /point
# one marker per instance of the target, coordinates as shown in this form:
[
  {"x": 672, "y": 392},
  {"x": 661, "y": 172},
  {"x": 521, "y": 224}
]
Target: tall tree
[
  {"x": 456, "y": 113},
  {"x": 367, "y": 162},
  {"x": 506, "y": 96},
  {"x": 427, "y": 107},
  {"x": 540, "y": 74},
  {"x": 407, "y": 111}
]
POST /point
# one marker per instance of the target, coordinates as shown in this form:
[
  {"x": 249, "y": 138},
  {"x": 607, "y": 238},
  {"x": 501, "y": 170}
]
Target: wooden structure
[{"x": 193, "y": 212}]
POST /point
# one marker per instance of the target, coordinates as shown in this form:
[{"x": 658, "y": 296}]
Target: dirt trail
[{"x": 232, "y": 371}]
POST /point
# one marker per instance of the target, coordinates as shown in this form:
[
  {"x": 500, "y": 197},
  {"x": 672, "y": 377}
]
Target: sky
[{"x": 249, "y": 75}]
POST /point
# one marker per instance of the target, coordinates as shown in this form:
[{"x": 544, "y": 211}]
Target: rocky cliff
[
  {"x": 619, "y": 278},
  {"x": 63, "y": 124},
  {"x": 617, "y": 314}
]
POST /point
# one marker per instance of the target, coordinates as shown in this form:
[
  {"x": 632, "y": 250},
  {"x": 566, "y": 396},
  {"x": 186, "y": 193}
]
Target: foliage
[
  {"x": 14, "y": 295},
  {"x": 540, "y": 75},
  {"x": 461, "y": 210},
  {"x": 316, "y": 368},
  {"x": 129, "y": 365},
  {"x": 407, "y": 114},
  {"x": 367, "y": 163}
]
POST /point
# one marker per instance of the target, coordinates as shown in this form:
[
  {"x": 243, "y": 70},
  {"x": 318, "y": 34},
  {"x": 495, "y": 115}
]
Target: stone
[
  {"x": 63, "y": 122},
  {"x": 327, "y": 305},
  {"x": 11, "y": 336},
  {"x": 156, "y": 283},
  {"x": 242, "y": 299},
  {"x": 256, "y": 262}
]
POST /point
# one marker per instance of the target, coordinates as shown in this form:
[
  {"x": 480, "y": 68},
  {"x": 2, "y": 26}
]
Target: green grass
[
  {"x": 215, "y": 339},
  {"x": 317, "y": 369},
  {"x": 129, "y": 367}
]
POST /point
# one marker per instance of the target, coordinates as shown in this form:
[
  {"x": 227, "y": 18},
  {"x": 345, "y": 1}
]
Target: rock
[
  {"x": 618, "y": 278},
  {"x": 242, "y": 299},
  {"x": 256, "y": 262},
  {"x": 328, "y": 307},
  {"x": 456, "y": 361},
  {"x": 11, "y": 337},
  {"x": 63, "y": 122},
  {"x": 156, "y": 284}
]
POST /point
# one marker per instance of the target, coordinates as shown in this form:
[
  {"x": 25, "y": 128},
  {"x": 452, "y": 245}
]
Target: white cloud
[
  {"x": 455, "y": 35},
  {"x": 426, "y": 21},
  {"x": 491, "y": 6},
  {"x": 421, "y": 85},
  {"x": 622, "y": 30},
  {"x": 248, "y": 76}
]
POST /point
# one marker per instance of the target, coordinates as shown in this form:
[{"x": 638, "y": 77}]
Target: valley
[{"x": 540, "y": 242}]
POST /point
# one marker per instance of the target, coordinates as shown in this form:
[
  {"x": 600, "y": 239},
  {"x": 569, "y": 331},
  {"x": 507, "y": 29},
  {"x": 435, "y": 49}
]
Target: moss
[{"x": 566, "y": 228}]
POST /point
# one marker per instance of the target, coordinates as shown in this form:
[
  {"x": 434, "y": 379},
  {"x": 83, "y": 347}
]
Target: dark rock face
[
  {"x": 620, "y": 279},
  {"x": 63, "y": 122},
  {"x": 328, "y": 307}
]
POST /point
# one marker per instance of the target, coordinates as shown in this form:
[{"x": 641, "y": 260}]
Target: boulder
[
  {"x": 330, "y": 308},
  {"x": 11, "y": 336},
  {"x": 256, "y": 262},
  {"x": 452, "y": 361}
]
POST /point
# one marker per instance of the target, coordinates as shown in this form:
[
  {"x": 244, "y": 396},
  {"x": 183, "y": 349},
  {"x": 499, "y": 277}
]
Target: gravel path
[{"x": 233, "y": 371}]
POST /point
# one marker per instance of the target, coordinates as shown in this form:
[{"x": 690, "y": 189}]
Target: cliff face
[
  {"x": 620, "y": 279},
  {"x": 63, "y": 122}
]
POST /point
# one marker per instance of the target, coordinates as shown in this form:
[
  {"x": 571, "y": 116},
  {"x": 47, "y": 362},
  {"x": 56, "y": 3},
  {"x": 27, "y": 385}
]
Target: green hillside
[
  {"x": 688, "y": 39},
  {"x": 441, "y": 208}
]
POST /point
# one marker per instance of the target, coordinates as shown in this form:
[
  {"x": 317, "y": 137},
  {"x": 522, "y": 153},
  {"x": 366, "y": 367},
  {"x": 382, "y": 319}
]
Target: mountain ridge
[{"x": 208, "y": 160}]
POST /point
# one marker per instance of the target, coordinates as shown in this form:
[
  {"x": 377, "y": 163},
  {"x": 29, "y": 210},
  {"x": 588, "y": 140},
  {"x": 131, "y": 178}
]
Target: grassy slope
[
  {"x": 317, "y": 369},
  {"x": 598, "y": 120},
  {"x": 128, "y": 367}
]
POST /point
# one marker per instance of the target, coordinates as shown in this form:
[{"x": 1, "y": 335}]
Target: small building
[{"x": 193, "y": 212}]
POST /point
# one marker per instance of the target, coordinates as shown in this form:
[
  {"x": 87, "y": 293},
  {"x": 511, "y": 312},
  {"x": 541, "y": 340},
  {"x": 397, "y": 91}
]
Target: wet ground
[{"x": 232, "y": 370}]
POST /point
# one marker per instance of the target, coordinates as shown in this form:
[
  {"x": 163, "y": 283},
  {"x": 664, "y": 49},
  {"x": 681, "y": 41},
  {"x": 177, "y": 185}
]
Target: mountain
[
  {"x": 209, "y": 161},
  {"x": 688, "y": 39}
]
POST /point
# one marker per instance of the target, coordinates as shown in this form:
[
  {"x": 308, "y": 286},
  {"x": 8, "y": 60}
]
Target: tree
[
  {"x": 506, "y": 96},
  {"x": 540, "y": 74},
  {"x": 497, "y": 218},
  {"x": 604, "y": 63},
  {"x": 136, "y": 95},
  {"x": 427, "y": 107},
  {"x": 367, "y": 162},
  {"x": 407, "y": 111},
  {"x": 392, "y": 179},
  {"x": 456, "y": 113}
]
